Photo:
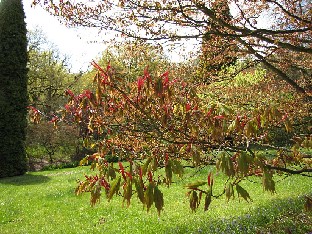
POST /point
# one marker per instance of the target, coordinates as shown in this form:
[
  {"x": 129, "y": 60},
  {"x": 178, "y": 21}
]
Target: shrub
[{"x": 47, "y": 143}]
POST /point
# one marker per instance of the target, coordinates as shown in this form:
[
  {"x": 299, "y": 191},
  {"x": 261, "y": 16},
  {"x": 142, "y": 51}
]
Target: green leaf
[
  {"x": 194, "y": 200},
  {"x": 128, "y": 191},
  {"x": 114, "y": 188},
  {"x": 168, "y": 170},
  {"x": 177, "y": 168},
  {"x": 250, "y": 129},
  {"x": 288, "y": 125},
  {"x": 95, "y": 194},
  {"x": 158, "y": 5},
  {"x": 111, "y": 172},
  {"x": 243, "y": 162},
  {"x": 195, "y": 185},
  {"x": 158, "y": 199},
  {"x": 139, "y": 188},
  {"x": 196, "y": 157},
  {"x": 84, "y": 161},
  {"x": 149, "y": 196},
  {"x": 267, "y": 181},
  {"x": 229, "y": 191},
  {"x": 158, "y": 88},
  {"x": 145, "y": 166},
  {"x": 207, "y": 200},
  {"x": 243, "y": 193}
]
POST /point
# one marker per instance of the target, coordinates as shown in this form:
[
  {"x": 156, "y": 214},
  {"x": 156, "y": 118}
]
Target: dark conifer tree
[{"x": 13, "y": 88}]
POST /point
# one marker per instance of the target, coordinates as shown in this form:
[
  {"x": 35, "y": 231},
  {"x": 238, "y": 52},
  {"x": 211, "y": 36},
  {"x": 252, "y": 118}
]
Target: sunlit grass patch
[{"x": 44, "y": 202}]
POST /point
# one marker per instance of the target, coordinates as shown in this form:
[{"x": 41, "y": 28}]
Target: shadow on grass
[
  {"x": 277, "y": 216},
  {"x": 27, "y": 179}
]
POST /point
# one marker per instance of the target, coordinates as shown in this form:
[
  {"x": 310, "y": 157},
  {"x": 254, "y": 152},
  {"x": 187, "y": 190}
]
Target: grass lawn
[{"x": 44, "y": 202}]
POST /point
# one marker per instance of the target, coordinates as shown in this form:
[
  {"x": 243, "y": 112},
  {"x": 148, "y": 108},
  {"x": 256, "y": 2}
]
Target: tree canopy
[
  {"x": 48, "y": 75},
  {"x": 275, "y": 33}
]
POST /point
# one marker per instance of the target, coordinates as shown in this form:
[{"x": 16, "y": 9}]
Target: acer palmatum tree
[
  {"x": 13, "y": 88},
  {"x": 160, "y": 125},
  {"x": 260, "y": 29},
  {"x": 160, "y": 122}
]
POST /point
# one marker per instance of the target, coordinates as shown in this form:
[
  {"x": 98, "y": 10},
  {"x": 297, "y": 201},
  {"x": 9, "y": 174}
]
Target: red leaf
[
  {"x": 219, "y": 117},
  {"x": 166, "y": 158},
  {"x": 129, "y": 175},
  {"x": 209, "y": 112},
  {"x": 108, "y": 67},
  {"x": 188, "y": 107},
  {"x": 150, "y": 176},
  {"x": 259, "y": 121},
  {"x": 140, "y": 84},
  {"x": 146, "y": 74},
  {"x": 173, "y": 81},
  {"x": 54, "y": 119},
  {"x": 35, "y": 110},
  {"x": 95, "y": 65},
  {"x": 165, "y": 77},
  {"x": 140, "y": 173},
  {"x": 105, "y": 184},
  {"x": 122, "y": 170},
  {"x": 88, "y": 94},
  {"x": 210, "y": 179},
  {"x": 67, "y": 107},
  {"x": 70, "y": 93},
  {"x": 284, "y": 117}
]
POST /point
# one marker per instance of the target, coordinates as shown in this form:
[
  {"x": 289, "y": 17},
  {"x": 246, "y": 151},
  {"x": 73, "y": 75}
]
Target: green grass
[{"x": 44, "y": 202}]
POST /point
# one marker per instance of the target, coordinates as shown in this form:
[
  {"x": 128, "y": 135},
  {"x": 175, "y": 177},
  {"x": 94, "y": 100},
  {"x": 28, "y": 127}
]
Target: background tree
[
  {"x": 48, "y": 75},
  {"x": 13, "y": 88},
  {"x": 217, "y": 52},
  {"x": 48, "y": 79},
  {"x": 176, "y": 20},
  {"x": 129, "y": 59}
]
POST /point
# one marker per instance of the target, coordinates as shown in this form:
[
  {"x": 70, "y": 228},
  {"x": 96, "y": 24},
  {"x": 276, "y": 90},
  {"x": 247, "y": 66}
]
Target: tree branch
[
  {"x": 293, "y": 172},
  {"x": 277, "y": 71}
]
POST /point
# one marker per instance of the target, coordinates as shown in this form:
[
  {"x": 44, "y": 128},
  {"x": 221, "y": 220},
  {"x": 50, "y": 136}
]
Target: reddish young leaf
[
  {"x": 105, "y": 184},
  {"x": 210, "y": 179},
  {"x": 187, "y": 107},
  {"x": 165, "y": 77},
  {"x": 94, "y": 64},
  {"x": 70, "y": 93},
  {"x": 88, "y": 93},
  {"x": 219, "y": 117},
  {"x": 140, "y": 84},
  {"x": 150, "y": 176},
  {"x": 122, "y": 170}
]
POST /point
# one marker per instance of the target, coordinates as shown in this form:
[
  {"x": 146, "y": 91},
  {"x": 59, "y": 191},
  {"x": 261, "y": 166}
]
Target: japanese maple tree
[
  {"x": 159, "y": 122},
  {"x": 163, "y": 122}
]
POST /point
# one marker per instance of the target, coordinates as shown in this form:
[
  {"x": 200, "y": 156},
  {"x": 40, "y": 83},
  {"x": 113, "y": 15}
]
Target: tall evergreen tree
[{"x": 13, "y": 88}]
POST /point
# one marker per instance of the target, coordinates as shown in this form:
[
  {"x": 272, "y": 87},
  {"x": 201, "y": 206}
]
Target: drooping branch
[
  {"x": 274, "y": 69},
  {"x": 287, "y": 12},
  {"x": 290, "y": 171},
  {"x": 242, "y": 32}
]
